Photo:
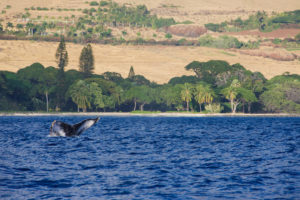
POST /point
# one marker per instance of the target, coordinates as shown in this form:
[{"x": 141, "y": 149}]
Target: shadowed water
[{"x": 151, "y": 158}]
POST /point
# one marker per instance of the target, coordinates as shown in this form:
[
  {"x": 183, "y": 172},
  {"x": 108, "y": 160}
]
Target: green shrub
[
  {"x": 216, "y": 27},
  {"x": 162, "y": 22},
  {"x": 276, "y": 41},
  {"x": 94, "y": 3},
  {"x": 182, "y": 41},
  {"x": 292, "y": 17},
  {"x": 106, "y": 33},
  {"x": 103, "y": 3},
  {"x": 214, "y": 108},
  {"x": 225, "y": 42},
  {"x": 168, "y": 36},
  {"x": 93, "y": 10}
]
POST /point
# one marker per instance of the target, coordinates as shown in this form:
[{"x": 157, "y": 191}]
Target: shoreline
[{"x": 127, "y": 114}]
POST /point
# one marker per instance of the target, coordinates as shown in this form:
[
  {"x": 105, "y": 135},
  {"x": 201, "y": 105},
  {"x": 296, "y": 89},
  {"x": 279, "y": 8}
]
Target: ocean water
[{"x": 152, "y": 158}]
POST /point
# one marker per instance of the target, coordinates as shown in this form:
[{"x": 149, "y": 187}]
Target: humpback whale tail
[{"x": 59, "y": 128}]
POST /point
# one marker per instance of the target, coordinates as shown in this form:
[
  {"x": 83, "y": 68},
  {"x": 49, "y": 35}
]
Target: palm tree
[
  {"x": 203, "y": 94},
  {"x": 186, "y": 94},
  {"x": 231, "y": 93},
  {"x": 80, "y": 96}
]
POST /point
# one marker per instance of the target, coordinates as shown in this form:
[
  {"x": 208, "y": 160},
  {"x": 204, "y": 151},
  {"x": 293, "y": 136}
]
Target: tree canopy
[
  {"x": 35, "y": 88},
  {"x": 86, "y": 61}
]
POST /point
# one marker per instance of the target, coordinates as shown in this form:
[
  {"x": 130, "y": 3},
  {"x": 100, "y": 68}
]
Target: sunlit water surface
[{"x": 151, "y": 158}]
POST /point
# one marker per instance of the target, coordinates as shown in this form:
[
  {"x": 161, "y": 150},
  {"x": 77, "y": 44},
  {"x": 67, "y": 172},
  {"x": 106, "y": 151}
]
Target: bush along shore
[{"x": 216, "y": 87}]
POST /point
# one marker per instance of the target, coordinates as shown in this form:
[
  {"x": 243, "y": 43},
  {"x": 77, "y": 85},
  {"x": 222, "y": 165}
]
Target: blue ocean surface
[{"x": 152, "y": 158}]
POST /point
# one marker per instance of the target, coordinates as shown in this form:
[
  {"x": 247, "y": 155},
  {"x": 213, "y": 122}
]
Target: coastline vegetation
[{"x": 216, "y": 87}]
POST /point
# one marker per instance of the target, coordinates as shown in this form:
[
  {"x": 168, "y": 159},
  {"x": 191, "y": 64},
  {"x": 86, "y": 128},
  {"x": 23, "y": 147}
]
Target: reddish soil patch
[
  {"x": 279, "y": 33},
  {"x": 186, "y": 30}
]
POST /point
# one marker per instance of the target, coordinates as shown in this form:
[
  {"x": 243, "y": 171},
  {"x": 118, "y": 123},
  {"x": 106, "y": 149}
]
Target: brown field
[{"x": 157, "y": 63}]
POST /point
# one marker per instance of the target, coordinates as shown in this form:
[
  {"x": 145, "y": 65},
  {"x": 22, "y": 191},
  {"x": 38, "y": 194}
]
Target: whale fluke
[{"x": 59, "y": 128}]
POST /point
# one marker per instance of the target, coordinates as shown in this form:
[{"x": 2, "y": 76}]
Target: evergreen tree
[
  {"x": 62, "y": 59},
  {"x": 61, "y": 55},
  {"x": 131, "y": 73},
  {"x": 86, "y": 60}
]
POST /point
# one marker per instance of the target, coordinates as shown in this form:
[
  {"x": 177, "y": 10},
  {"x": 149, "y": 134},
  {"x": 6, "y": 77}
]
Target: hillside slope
[{"x": 157, "y": 63}]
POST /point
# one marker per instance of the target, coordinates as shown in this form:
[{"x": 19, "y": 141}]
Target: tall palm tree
[
  {"x": 80, "y": 96},
  {"x": 203, "y": 94},
  {"x": 231, "y": 93},
  {"x": 186, "y": 94}
]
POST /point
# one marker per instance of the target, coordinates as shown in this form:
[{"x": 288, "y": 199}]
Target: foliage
[
  {"x": 220, "y": 73},
  {"x": 36, "y": 88},
  {"x": 61, "y": 55},
  {"x": 187, "y": 94},
  {"x": 292, "y": 17},
  {"x": 94, "y": 3},
  {"x": 140, "y": 94},
  {"x": 86, "y": 61},
  {"x": 131, "y": 73},
  {"x": 112, "y": 76},
  {"x": 231, "y": 94},
  {"x": 85, "y": 95},
  {"x": 168, "y": 36},
  {"x": 225, "y": 42},
  {"x": 140, "y": 80},
  {"x": 183, "y": 79},
  {"x": 203, "y": 94},
  {"x": 214, "y": 108},
  {"x": 282, "y": 94},
  {"x": 282, "y": 98},
  {"x": 171, "y": 95},
  {"x": 215, "y": 27},
  {"x": 259, "y": 20},
  {"x": 79, "y": 92}
]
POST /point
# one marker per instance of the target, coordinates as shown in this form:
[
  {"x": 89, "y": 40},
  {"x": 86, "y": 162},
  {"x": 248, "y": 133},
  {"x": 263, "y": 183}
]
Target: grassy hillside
[{"x": 157, "y": 63}]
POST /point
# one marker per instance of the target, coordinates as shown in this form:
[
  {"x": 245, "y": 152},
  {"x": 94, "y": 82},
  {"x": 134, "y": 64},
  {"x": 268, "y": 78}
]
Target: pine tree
[
  {"x": 62, "y": 55},
  {"x": 131, "y": 73},
  {"x": 86, "y": 60}
]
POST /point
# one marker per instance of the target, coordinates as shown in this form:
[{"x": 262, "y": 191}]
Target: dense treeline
[{"x": 216, "y": 87}]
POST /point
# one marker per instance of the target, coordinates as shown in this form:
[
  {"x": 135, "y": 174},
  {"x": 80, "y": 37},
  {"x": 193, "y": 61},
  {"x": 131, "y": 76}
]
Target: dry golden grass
[{"x": 157, "y": 63}]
